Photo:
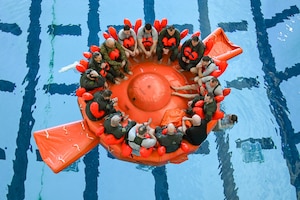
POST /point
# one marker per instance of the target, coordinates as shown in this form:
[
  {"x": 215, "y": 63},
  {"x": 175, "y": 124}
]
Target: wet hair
[
  {"x": 234, "y": 118},
  {"x": 148, "y": 27},
  {"x": 195, "y": 38},
  {"x": 142, "y": 130},
  {"x": 170, "y": 27},
  {"x": 126, "y": 27},
  {"x": 96, "y": 54},
  {"x": 206, "y": 58},
  {"x": 210, "y": 95},
  {"x": 88, "y": 71},
  {"x": 106, "y": 93},
  {"x": 115, "y": 120},
  {"x": 214, "y": 79}
]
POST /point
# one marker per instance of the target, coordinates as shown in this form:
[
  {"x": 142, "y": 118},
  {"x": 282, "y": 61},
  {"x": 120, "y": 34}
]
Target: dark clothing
[
  {"x": 89, "y": 84},
  {"x": 118, "y": 131},
  {"x": 196, "y": 134},
  {"x": 115, "y": 64},
  {"x": 199, "y": 48},
  {"x": 160, "y": 45},
  {"x": 110, "y": 73},
  {"x": 171, "y": 142},
  {"x": 106, "y": 105},
  {"x": 209, "y": 109}
]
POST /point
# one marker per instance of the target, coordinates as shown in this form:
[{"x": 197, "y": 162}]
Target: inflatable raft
[{"x": 146, "y": 94}]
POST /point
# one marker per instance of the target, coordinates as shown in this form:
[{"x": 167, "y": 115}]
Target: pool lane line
[
  {"x": 161, "y": 185},
  {"x": 278, "y": 103},
  {"x": 16, "y": 189},
  {"x": 91, "y": 159},
  {"x": 226, "y": 167}
]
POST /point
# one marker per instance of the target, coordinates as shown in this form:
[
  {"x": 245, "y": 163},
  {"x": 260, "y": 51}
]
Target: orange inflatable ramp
[
  {"x": 220, "y": 47},
  {"x": 62, "y": 145}
]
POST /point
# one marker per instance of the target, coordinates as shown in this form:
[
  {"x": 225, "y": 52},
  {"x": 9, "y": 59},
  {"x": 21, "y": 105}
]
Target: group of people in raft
[{"x": 109, "y": 62}]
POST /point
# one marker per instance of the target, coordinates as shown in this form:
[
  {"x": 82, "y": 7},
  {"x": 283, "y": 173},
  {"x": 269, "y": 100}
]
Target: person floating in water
[{"x": 227, "y": 122}]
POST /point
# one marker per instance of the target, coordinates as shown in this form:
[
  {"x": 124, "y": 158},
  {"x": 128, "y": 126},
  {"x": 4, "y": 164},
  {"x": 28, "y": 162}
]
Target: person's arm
[
  {"x": 135, "y": 39},
  {"x": 121, "y": 37},
  {"x": 177, "y": 37},
  {"x": 184, "y": 128},
  {"x": 212, "y": 67},
  {"x": 161, "y": 35},
  {"x": 208, "y": 116},
  {"x": 182, "y": 48},
  {"x": 155, "y": 38},
  {"x": 196, "y": 99},
  {"x": 122, "y": 51},
  {"x": 140, "y": 35},
  {"x": 149, "y": 142},
  {"x": 205, "y": 79}
]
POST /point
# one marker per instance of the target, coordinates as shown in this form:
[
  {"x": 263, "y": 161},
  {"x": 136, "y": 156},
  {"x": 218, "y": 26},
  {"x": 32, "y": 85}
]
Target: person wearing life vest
[
  {"x": 205, "y": 85},
  {"x": 227, "y": 122},
  {"x": 112, "y": 125},
  {"x": 168, "y": 40},
  {"x": 127, "y": 38},
  {"x": 169, "y": 137},
  {"x": 101, "y": 105},
  {"x": 90, "y": 80},
  {"x": 191, "y": 52},
  {"x": 141, "y": 135},
  {"x": 209, "y": 106},
  {"x": 210, "y": 84},
  {"x": 97, "y": 63},
  {"x": 147, "y": 37},
  {"x": 204, "y": 68},
  {"x": 114, "y": 54}
]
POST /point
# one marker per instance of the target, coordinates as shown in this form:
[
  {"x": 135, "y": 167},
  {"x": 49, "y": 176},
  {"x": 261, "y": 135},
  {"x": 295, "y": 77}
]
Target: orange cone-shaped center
[{"x": 149, "y": 91}]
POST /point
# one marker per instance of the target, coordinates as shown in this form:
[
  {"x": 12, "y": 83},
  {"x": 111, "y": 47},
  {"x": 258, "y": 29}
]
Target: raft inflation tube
[{"x": 146, "y": 94}]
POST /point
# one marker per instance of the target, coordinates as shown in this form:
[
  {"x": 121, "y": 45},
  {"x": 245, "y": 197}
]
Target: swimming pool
[{"x": 38, "y": 38}]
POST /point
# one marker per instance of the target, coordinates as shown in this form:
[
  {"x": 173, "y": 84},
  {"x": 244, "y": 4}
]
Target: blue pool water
[{"x": 257, "y": 159}]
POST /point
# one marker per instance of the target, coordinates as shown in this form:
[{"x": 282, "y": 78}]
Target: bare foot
[{"x": 125, "y": 78}]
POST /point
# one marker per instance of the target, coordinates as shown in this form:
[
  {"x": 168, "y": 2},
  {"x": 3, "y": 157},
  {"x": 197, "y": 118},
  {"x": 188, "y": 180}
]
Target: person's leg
[
  {"x": 126, "y": 69},
  {"x": 110, "y": 78},
  {"x": 174, "y": 54},
  {"x": 159, "y": 53},
  {"x": 190, "y": 67},
  {"x": 118, "y": 72},
  {"x": 181, "y": 63},
  {"x": 185, "y": 87},
  {"x": 187, "y": 96}
]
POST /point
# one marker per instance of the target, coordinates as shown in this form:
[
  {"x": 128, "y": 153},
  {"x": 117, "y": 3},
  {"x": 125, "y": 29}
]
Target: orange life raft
[{"x": 146, "y": 94}]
